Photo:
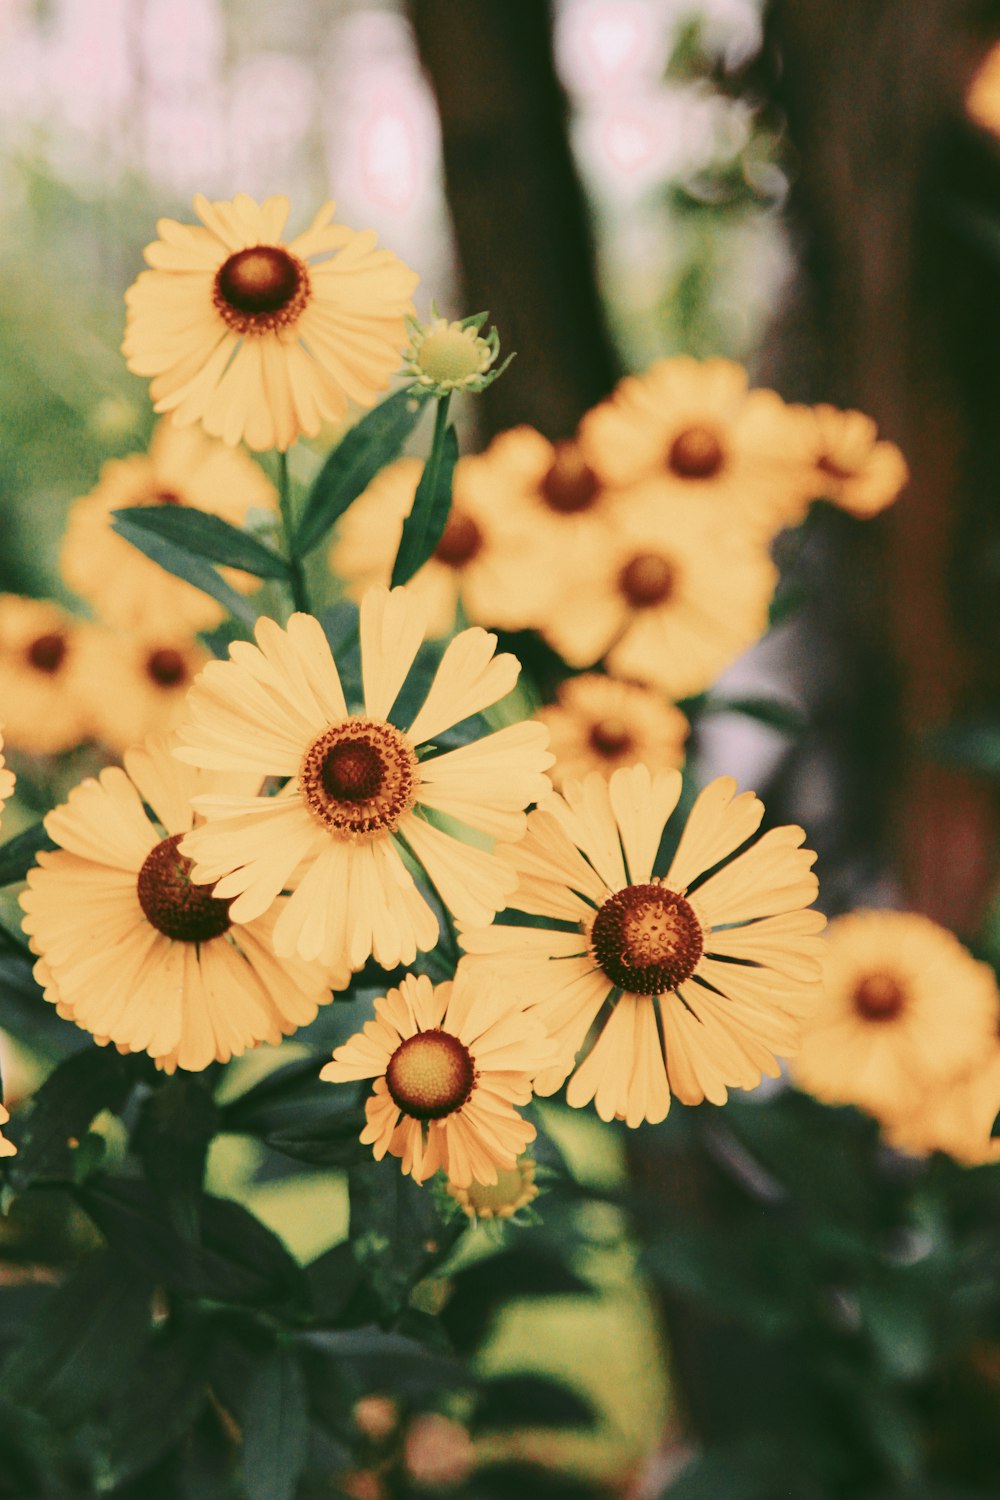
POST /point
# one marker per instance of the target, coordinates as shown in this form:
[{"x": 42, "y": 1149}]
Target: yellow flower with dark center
[
  {"x": 956, "y": 1117},
  {"x": 513, "y": 1190},
  {"x": 451, "y": 1063},
  {"x": 183, "y": 467},
  {"x": 49, "y": 663},
  {"x": 352, "y": 812},
  {"x": 905, "y": 1010},
  {"x": 598, "y": 724},
  {"x": 7, "y": 1148},
  {"x": 134, "y": 952},
  {"x": 670, "y": 596},
  {"x": 259, "y": 339},
  {"x": 691, "y": 982},
  {"x": 848, "y": 464},
  {"x": 142, "y": 687},
  {"x": 694, "y": 428}
]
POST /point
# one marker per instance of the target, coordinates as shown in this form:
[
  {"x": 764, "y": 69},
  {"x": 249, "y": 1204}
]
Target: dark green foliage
[
  {"x": 424, "y": 526},
  {"x": 204, "y": 535},
  {"x": 17, "y": 855},
  {"x": 183, "y": 563}
]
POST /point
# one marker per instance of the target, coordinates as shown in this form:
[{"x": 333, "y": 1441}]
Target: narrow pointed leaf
[
  {"x": 424, "y": 526},
  {"x": 377, "y": 440},
  {"x": 208, "y": 536},
  {"x": 184, "y": 564},
  {"x": 275, "y": 1422},
  {"x": 17, "y": 855}
]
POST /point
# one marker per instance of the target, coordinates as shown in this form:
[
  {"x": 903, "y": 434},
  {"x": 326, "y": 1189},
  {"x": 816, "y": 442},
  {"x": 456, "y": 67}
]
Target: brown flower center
[
  {"x": 571, "y": 484},
  {"x": 430, "y": 1075},
  {"x": 647, "y": 579},
  {"x": 261, "y": 289},
  {"x": 359, "y": 778},
  {"x": 610, "y": 737},
  {"x": 461, "y": 541},
  {"x": 170, "y": 901},
  {"x": 696, "y": 453},
  {"x": 647, "y": 939},
  {"x": 878, "y": 997},
  {"x": 166, "y": 667},
  {"x": 164, "y": 497},
  {"x": 47, "y": 652}
]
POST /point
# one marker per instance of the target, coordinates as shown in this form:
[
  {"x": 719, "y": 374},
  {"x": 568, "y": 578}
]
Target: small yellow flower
[
  {"x": 445, "y": 357},
  {"x": 450, "y": 1062},
  {"x": 955, "y": 1117},
  {"x": 598, "y": 724},
  {"x": 49, "y": 662},
  {"x": 905, "y": 1010},
  {"x": 513, "y": 1190},
  {"x": 142, "y": 688},
  {"x": 261, "y": 339},
  {"x": 7, "y": 1148},
  {"x": 849, "y": 465}
]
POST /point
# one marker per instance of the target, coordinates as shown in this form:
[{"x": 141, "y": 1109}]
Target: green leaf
[
  {"x": 974, "y": 746},
  {"x": 28, "y": 1015},
  {"x": 83, "y": 1344},
  {"x": 396, "y": 1231},
  {"x": 274, "y": 1417},
  {"x": 30, "y": 1458},
  {"x": 238, "y": 1259},
  {"x": 785, "y": 717},
  {"x": 172, "y": 1139},
  {"x": 377, "y": 440},
  {"x": 63, "y": 1108},
  {"x": 18, "y": 854},
  {"x": 208, "y": 536},
  {"x": 529, "y": 1399},
  {"x": 183, "y": 564},
  {"x": 159, "y": 1405},
  {"x": 424, "y": 526}
]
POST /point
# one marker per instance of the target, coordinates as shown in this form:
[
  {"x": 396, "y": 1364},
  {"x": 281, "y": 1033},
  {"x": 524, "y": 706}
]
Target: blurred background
[{"x": 798, "y": 186}]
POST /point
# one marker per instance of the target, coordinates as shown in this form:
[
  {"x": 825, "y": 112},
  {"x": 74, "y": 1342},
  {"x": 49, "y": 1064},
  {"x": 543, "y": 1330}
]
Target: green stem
[
  {"x": 428, "y": 482},
  {"x": 300, "y": 594}
]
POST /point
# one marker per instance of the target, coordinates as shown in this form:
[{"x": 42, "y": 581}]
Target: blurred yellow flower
[
  {"x": 849, "y": 466},
  {"x": 6, "y": 779},
  {"x": 955, "y": 1117},
  {"x": 905, "y": 1009},
  {"x": 671, "y": 597},
  {"x": 142, "y": 687},
  {"x": 513, "y": 1190},
  {"x": 697, "y": 979},
  {"x": 182, "y": 467},
  {"x": 48, "y": 663},
  {"x": 7, "y": 1148},
  {"x": 358, "y": 784},
  {"x": 136, "y": 954},
  {"x": 259, "y": 339},
  {"x": 451, "y": 1062},
  {"x": 598, "y": 724},
  {"x": 695, "y": 428},
  {"x": 982, "y": 102}
]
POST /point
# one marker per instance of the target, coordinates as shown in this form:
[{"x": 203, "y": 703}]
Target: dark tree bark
[{"x": 520, "y": 219}]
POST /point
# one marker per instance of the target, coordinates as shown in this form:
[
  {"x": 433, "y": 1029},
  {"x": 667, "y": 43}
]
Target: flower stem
[{"x": 300, "y": 594}]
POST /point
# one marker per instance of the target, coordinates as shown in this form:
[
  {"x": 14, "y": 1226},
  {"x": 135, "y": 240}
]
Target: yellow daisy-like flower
[
  {"x": 49, "y": 662},
  {"x": 143, "y": 687},
  {"x": 358, "y": 784},
  {"x": 694, "y": 427},
  {"x": 136, "y": 954},
  {"x": 261, "y": 339},
  {"x": 849, "y": 465},
  {"x": 697, "y": 979},
  {"x": 905, "y": 1009},
  {"x": 183, "y": 467},
  {"x": 7, "y": 1148},
  {"x": 598, "y": 724},
  {"x": 6, "y": 779},
  {"x": 478, "y": 560},
  {"x": 513, "y": 1190},
  {"x": 671, "y": 597},
  {"x": 955, "y": 1117},
  {"x": 451, "y": 1062}
]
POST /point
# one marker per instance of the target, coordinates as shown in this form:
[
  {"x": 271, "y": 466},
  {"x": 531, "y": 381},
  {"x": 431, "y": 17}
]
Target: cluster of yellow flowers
[{"x": 211, "y": 895}]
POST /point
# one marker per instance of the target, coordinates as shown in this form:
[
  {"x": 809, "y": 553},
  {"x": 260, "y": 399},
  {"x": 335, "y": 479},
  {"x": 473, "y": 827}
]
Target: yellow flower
[
  {"x": 693, "y": 427},
  {"x": 7, "y": 1148},
  {"x": 905, "y": 1009},
  {"x": 696, "y": 981},
  {"x": 6, "y": 779},
  {"x": 443, "y": 357},
  {"x": 142, "y": 687},
  {"x": 478, "y": 559},
  {"x": 182, "y": 467},
  {"x": 261, "y": 339},
  {"x": 849, "y": 466},
  {"x": 982, "y": 102},
  {"x": 48, "y": 664},
  {"x": 451, "y": 1062},
  {"x": 598, "y": 724},
  {"x": 672, "y": 596},
  {"x": 358, "y": 784},
  {"x": 513, "y": 1190},
  {"x": 133, "y": 952},
  {"x": 955, "y": 1117}
]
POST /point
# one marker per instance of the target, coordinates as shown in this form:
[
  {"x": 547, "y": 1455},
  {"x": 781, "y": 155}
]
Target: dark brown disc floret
[
  {"x": 610, "y": 738},
  {"x": 166, "y": 667},
  {"x": 647, "y": 579},
  {"x": 878, "y": 997},
  {"x": 647, "y": 939},
  {"x": 431, "y": 1075},
  {"x": 570, "y": 485},
  {"x": 47, "y": 652},
  {"x": 260, "y": 289},
  {"x": 696, "y": 453},
  {"x": 171, "y": 901},
  {"x": 461, "y": 541},
  {"x": 359, "y": 778}
]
